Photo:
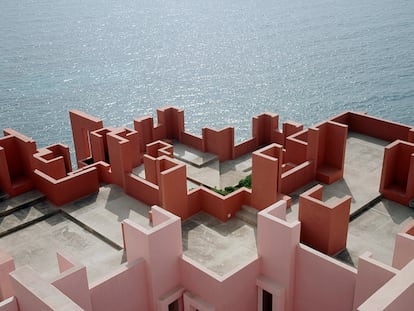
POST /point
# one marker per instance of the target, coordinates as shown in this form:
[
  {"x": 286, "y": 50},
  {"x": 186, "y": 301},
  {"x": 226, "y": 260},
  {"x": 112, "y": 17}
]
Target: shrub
[{"x": 245, "y": 182}]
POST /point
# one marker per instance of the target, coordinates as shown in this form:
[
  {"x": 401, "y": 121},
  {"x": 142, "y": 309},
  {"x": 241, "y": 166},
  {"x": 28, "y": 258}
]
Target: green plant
[{"x": 245, "y": 182}]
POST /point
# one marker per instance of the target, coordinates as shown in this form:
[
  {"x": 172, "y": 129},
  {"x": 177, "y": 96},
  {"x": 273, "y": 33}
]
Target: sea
[{"x": 222, "y": 61}]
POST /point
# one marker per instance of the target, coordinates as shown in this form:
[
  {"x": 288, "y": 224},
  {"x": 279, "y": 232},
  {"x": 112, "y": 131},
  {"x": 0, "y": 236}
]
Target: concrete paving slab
[
  {"x": 37, "y": 245},
  {"x": 218, "y": 246},
  {"x": 375, "y": 231},
  {"x": 192, "y": 156},
  {"x": 220, "y": 175},
  {"x": 232, "y": 171},
  {"x": 208, "y": 175},
  {"x": 105, "y": 211},
  {"x": 139, "y": 171}
]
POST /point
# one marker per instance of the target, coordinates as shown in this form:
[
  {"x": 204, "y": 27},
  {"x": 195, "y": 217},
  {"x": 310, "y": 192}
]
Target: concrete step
[
  {"x": 25, "y": 217},
  {"x": 11, "y": 205},
  {"x": 193, "y": 156},
  {"x": 248, "y": 214}
]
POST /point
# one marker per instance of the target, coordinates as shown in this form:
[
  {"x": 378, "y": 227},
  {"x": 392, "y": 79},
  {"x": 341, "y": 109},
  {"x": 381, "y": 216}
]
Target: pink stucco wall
[
  {"x": 404, "y": 246},
  {"x": 276, "y": 246},
  {"x": 6, "y": 266},
  {"x": 124, "y": 289},
  {"x": 161, "y": 248},
  {"x": 317, "y": 285},
  {"x": 74, "y": 284},
  {"x": 9, "y": 304},
  {"x": 35, "y": 293},
  {"x": 395, "y": 295},
  {"x": 404, "y": 302},
  {"x": 235, "y": 291},
  {"x": 371, "y": 276}
]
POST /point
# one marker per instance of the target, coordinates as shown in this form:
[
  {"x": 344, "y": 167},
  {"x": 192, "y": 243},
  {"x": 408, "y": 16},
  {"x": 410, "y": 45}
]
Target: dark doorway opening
[
  {"x": 267, "y": 299},
  {"x": 174, "y": 306}
]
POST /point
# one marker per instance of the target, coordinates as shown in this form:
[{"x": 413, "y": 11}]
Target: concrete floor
[
  {"x": 362, "y": 174},
  {"x": 105, "y": 211},
  {"x": 220, "y": 247},
  {"x": 375, "y": 231},
  {"x": 37, "y": 246}
]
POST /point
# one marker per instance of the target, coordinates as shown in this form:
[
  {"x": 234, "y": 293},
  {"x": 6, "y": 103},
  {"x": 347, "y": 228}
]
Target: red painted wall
[
  {"x": 263, "y": 126},
  {"x": 221, "y": 207},
  {"x": 16, "y": 157},
  {"x": 297, "y": 177},
  {"x": 397, "y": 177},
  {"x": 219, "y": 142},
  {"x": 265, "y": 176},
  {"x": 99, "y": 145},
  {"x": 120, "y": 153},
  {"x": 324, "y": 224},
  {"x": 82, "y": 124},
  {"x": 144, "y": 126},
  {"x": 375, "y": 127},
  {"x": 192, "y": 141},
  {"x": 173, "y": 187},
  {"x": 245, "y": 147},
  {"x": 141, "y": 190},
  {"x": 68, "y": 189}
]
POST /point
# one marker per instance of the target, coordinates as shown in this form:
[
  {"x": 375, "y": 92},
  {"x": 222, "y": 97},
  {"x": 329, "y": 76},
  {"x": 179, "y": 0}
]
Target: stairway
[
  {"x": 22, "y": 211},
  {"x": 248, "y": 214}
]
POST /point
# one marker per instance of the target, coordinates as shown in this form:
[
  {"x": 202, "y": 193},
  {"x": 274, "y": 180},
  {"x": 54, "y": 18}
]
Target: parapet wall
[{"x": 316, "y": 153}]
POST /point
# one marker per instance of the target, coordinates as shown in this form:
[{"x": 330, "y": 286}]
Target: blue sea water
[{"x": 222, "y": 61}]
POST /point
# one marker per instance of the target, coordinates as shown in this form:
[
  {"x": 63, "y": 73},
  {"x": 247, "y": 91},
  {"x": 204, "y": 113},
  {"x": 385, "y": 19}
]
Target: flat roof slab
[
  {"x": 375, "y": 231},
  {"x": 192, "y": 156},
  {"x": 218, "y": 246},
  {"x": 37, "y": 245},
  {"x": 232, "y": 171},
  {"x": 208, "y": 175},
  {"x": 105, "y": 211}
]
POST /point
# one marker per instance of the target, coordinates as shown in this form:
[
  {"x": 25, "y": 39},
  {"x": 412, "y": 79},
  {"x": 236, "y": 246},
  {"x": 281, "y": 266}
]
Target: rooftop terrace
[
  {"x": 91, "y": 227},
  {"x": 348, "y": 180}
]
